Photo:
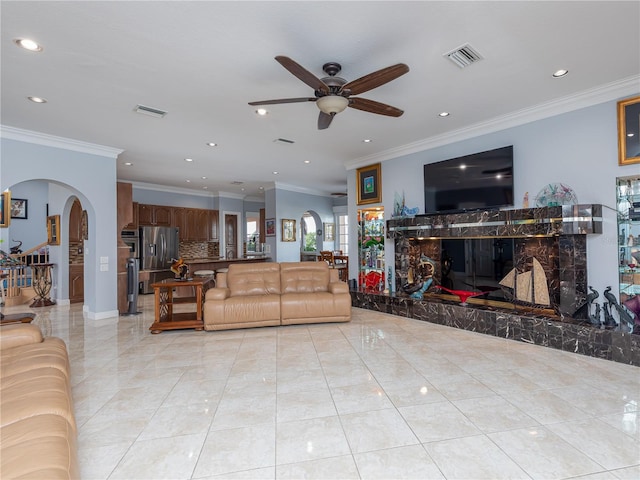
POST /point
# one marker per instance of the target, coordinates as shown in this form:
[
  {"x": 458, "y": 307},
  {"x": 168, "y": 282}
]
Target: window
[
  {"x": 253, "y": 230},
  {"x": 308, "y": 233},
  {"x": 343, "y": 233}
]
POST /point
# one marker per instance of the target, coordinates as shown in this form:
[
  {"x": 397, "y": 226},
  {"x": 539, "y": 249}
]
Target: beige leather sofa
[
  {"x": 269, "y": 294},
  {"x": 37, "y": 426}
]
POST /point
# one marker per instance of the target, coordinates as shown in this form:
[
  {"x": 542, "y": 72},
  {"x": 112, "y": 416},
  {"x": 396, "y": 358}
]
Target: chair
[{"x": 341, "y": 265}]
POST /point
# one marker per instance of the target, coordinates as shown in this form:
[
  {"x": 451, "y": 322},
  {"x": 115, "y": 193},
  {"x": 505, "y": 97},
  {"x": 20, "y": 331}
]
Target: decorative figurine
[{"x": 525, "y": 200}]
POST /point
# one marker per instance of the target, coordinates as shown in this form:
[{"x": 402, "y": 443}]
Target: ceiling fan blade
[
  {"x": 324, "y": 120},
  {"x": 302, "y": 73},
  {"x": 284, "y": 100},
  {"x": 374, "y": 107},
  {"x": 375, "y": 79}
]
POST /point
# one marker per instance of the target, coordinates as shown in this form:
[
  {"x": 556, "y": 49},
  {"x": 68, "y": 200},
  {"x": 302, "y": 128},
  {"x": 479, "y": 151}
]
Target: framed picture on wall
[
  {"x": 270, "y": 227},
  {"x": 5, "y": 210},
  {"x": 288, "y": 230},
  {"x": 369, "y": 189},
  {"x": 329, "y": 232},
  {"x": 19, "y": 208},
  {"x": 628, "y": 138},
  {"x": 53, "y": 229}
]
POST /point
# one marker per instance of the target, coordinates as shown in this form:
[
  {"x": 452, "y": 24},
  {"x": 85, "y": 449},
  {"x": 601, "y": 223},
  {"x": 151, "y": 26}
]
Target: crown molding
[
  {"x": 236, "y": 196},
  {"x": 587, "y": 98},
  {"x": 297, "y": 189},
  {"x": 28, "y": 136},
  {"x": 167, "y": 189}
]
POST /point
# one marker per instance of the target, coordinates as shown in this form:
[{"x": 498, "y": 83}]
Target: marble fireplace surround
[
  {"x": 556, "y": 236},
  {"x": 561, "y": 230}
]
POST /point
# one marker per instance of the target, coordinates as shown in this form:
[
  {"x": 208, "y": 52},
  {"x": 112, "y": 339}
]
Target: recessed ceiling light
[
  {"x": 262, "y": 112},
  {"x": 28, "y": 44},
  {"x": 212, "y": 144},
  {"x": 37, "y": 99},
  {"x": 560, "y": 73},
  {"x": 188, "y": 181},
  {"x": 188, "y": 159},
  {"x": 366, "y": 140},
  {"x": 260, "y": 188},
  {"x": 275, "y": 173},
  {"x": 128, "y": 164},
  {"x": 204, "y": 178},
  {"x": 444, "y": 114},
  {"x": 309, "y": 161}
]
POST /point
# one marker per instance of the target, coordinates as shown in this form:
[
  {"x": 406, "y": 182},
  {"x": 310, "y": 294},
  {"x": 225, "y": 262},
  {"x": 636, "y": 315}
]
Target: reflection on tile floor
[{"x": 380, "y": 397}]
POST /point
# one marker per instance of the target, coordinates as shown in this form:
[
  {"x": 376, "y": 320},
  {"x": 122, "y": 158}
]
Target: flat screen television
[{"x": 472, "y": 182}]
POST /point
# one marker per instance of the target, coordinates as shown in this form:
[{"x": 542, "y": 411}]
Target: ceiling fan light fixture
[{"x": 332, "y": 104}]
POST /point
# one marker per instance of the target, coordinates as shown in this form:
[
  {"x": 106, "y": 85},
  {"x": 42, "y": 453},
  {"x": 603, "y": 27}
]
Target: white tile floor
[{"x": 380, "y": 397}]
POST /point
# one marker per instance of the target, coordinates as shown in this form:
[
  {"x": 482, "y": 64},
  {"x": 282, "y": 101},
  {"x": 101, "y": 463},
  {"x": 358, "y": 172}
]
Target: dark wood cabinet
[
  {"x": 213, "y": 225},
  {"x": 198, "y": 224},
  {"x": 75, "y": 222},
  {"x": 180, "y": 221},
  {"x": 134, "y": 223},
  {"x": 76, "y": 283},
  {"x": 156, "y": 215}
]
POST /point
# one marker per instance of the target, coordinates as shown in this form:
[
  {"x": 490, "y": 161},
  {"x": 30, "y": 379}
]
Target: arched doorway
[{"x": 77, "y": 232}]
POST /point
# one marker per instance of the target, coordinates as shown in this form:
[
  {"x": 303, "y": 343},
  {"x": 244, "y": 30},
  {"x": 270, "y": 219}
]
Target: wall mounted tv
[{"x": 476, "y": 181}]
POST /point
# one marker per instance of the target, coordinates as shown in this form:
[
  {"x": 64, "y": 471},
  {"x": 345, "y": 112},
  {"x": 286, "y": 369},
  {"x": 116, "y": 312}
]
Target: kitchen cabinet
[
  {"x": 213, "y": 225},
  {"x": 198, "y": 224},
  {"x": 75, "y": 222},
  {"x": 134, "y": 223},
  {"x": 180, "y": 221},
  {"x": 76, "y": 283},
  {"x": 628, "y": 206},
  {"x": 156, "y": 215}
]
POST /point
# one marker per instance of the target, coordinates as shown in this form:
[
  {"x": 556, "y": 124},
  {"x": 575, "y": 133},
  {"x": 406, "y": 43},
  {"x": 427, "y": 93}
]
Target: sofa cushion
[
  {"x": 51, "y": 352},
  {"x": 39, "y": 447},
  {"x": 39, "y": 391},
  {"x": 304, "y": 277},
  {"x": 253, "y": 279},
  {"x": 17, "y": 334},
  {"x": 316, "y": 307}
]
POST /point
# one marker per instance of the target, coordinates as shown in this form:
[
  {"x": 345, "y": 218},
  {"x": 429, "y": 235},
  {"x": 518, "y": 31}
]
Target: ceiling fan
[{"x": 333, "y": 93}]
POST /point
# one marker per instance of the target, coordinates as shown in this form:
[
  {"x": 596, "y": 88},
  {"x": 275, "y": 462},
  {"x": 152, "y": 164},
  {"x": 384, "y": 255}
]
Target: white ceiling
[{"x": 203, "y": 61}]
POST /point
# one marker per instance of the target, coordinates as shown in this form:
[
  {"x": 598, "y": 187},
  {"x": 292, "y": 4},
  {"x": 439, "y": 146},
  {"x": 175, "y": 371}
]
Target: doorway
[
  {"x": 76, "y": 253},
  {"x": 231, "y": 235}
]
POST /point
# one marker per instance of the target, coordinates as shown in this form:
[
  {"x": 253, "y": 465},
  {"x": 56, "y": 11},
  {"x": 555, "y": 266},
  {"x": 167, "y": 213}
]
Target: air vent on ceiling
[
  {"x": 283, "y": 140},
  {"x": 236, "y": 182},
  {"x": 463, "y": 56},
  {"x": 153, "y": 112}
]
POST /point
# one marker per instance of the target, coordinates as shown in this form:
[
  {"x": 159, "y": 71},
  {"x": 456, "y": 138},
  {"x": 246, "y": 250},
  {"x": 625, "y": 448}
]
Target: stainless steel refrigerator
[{"x": 158, "y": 246}]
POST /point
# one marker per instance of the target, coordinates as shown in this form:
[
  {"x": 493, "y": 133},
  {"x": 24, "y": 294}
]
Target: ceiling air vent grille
[
  {"x": 284, "y": 140},
  {"x": 463, "y": 56},
  {"x": 153, "y": 112}
]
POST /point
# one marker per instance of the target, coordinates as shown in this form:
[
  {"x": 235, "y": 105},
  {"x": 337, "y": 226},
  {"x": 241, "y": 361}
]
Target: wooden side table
[
  {"x": 42, "y": 284},
  {"x": 165, "y": 300}
]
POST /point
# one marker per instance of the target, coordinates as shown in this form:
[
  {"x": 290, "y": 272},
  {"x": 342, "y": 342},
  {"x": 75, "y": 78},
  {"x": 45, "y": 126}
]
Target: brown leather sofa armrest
[
  {"x": 17, "y": 334},
  {"x": 338, "y": 287},
  {"x": 217, "y": 294}
]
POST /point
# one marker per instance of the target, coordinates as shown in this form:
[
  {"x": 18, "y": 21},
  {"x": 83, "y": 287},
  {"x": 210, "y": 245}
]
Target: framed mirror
[
  {"x": 629, "y": 131},
  {"x": 53, "y": 230}
]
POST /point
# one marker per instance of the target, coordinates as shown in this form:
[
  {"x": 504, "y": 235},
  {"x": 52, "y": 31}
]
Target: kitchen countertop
[{"x": 219, "y": 259}]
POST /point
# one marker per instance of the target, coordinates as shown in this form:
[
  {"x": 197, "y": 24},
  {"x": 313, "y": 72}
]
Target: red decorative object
[{"x": 463, "y": 294}]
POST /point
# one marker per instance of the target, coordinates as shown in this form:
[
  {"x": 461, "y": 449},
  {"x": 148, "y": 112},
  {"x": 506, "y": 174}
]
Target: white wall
[
  {"x": 83, "y": 170},
  {"x": 578, "y": 149}
]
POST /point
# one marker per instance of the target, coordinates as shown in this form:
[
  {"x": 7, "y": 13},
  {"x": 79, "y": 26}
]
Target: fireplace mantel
[{"x": 543, "y": 221}]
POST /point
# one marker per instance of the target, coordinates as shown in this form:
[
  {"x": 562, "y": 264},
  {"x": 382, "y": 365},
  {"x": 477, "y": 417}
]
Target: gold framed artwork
[
  {"x": 329, "y": 232},
  {"x": 369, "y": 187},
  {"x": 629, "y": 131},
  {"x": 288, "y": 230},
  {"x": 5, "y": 209},
  {"x": 53, "y": 230}
]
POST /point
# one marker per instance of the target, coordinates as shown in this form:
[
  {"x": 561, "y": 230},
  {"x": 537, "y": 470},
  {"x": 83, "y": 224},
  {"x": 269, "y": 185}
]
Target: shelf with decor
[
  {"x": 628, "y": 208},
  {"x": 371, "y": 259}
]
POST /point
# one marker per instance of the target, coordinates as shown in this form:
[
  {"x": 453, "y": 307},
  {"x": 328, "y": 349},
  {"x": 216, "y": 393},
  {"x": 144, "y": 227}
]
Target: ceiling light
[
  {"x": 560, "y": 73},
  {"x": 260, "y": 188},
  {"x": 212, "y": 144},
  {"x": 188, "y": 181},
  {"x": 262, "y": 112},
  {"x": 332, "y": 104},
  {"x": 275, "y": 173},
  {"x": 204, "y": 178},
  {"x": 204, "y": 188},
  {"x": 28, "y": 44},
  {"x": 188, "y": 159},
  {"x": 367, "y": 140},
  {"x": 309, "y": 161},
  {"x": 444, "y": 114},
  {"x": 128, "y": 164},
  {"x": 37, "y": 99}
]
